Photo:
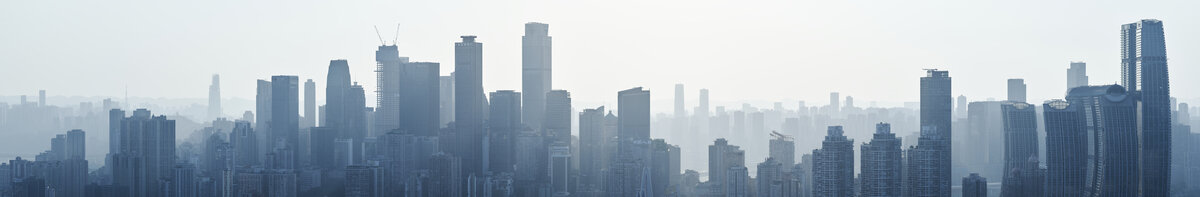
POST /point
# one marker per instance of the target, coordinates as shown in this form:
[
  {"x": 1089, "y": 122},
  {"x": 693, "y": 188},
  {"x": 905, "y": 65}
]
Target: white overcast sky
[{"x": 740, "y": 50}]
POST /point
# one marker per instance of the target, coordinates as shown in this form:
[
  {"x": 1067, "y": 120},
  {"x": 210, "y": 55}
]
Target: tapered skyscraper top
[{"x": 214, "y": 98}]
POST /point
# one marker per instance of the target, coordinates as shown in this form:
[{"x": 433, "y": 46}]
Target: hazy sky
[{"x": 741, "y": 50}]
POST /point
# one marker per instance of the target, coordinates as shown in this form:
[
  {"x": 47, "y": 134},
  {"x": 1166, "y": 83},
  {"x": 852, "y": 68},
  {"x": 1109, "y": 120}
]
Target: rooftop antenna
[
  {"x": 397, "y": 34},
  {"x": 380, "y": 37}
]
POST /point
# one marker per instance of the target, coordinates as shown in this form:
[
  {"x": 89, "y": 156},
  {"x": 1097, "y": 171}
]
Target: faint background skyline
[{"x": 743, "y": 51}]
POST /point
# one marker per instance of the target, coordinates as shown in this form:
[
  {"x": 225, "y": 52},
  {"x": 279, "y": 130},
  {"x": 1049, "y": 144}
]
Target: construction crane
[
  {"x": 780, "y": 136},
  {"x": 381, "y": 42}
]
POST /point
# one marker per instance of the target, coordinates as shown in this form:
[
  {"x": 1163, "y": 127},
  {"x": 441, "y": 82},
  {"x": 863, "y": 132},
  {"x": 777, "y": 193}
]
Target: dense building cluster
[{"x": 434, "y": 135}]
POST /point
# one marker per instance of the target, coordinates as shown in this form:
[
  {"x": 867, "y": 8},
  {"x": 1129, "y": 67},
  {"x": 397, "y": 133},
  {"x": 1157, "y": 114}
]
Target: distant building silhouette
[
  {"x": 214, "y": 98},
  {"x": 1016, "y": 90},
  {"x": 1022, "y": 174},
  {"x": 285, "y": 117},
  {"x": 147, "y": 155},
  {"x": 1077, "y": 75},
  {"x": 536, "y": 75},
  {"x": 974, "y": 186},
  {"x": 470, "y": 106}
]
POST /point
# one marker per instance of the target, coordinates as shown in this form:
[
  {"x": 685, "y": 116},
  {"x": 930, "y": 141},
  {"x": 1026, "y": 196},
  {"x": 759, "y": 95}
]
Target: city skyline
[{"x": 410, "y": 128}]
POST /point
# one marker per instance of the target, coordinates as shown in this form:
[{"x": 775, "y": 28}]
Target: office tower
[
  {"x": 882, "y": 162},
  {"x": 528, "y": 152},
  {"x": 217, "y": 156},
  {"x": 147, "y": 154},
  {"x": 974, "y": 186},
  {"x": 536, "y": 67},
  {"x": 245, "y": 144},
  {"x": 1077, "y": 75},
  {"x": 262, "y": 119},
  {"x": 1144, "y": 73},
  {"x": 446, "y": 100},
  {"x": 58, "y": 146},
  {"x": 1016, "y": 90},
  {"x": 1101, "y": 117},
  {"x": 41, "y": 98},
  {"x": 737, "y": 182},
  {"x": 310, "y": 104},
  {"x": 365, "y": 181},
  {"x": 834, "y": 105},
  {"x": 560, "y": 168},
  {"x": 419, "y": 97},
  {"x": 214, "y": 98},
  {"x": 663, "y": 165},
  {"x": 721, "y": 157},
  {"x": 337, "y": 96},
  {"x": 702, "y": 115},
  {"x": 75, "y": 145},
  {"x": 387, "y": 74},
  {"x": 783, "y": 149},
  {"x": 1067, "y": 148},
  {"x": 557, "y": 119},
  {"x": 1020, "y": 149},
  {"x": 503, "y": 124},
  {"x": 633, "y": 108},
  {"x": 469, "y": 104},
  {"x": 593, "y": 157},
  {"x": 960, "y": 109},
  {"x": 114, "y": 131},
  {"x": 833, "y": 170},
  {"x": 285, "y": 115},
  {"x": 356, "y": 117},
  {"x": 985, "y": 128},
  {"x": 769, "y": 179},
  {"x": 679, "y": 124}
]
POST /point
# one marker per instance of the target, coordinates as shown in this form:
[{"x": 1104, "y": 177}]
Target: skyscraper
[
  {"x": 470, "y": 105},
  {"x": 974, "y": 186},
  {"x": 931, "y": 156},
  {"x": 1020, "y": 148},
  {"x": 1144, "y": 72},
  {"x": 679, "y": 125},
  {"x": 285, "y": 115},
  {"x": 1077, "y": 75},
  {"x": 721, "y": 157},
  {"x": 365, "y": 181},
  {"x": 446, "y": 99},
  {"x": 147, "y": 154},
  {"x": 1108, "y": 113},
  {"x": 356, "y": 117},
  {"x": 245, "y": 144},
  {"x": 75, "y": 145},
  {"x": 536, "y": 67},
  {"x": 504, "y": 121},
  {"x": 262, "y": 119},
  {"x": 633, "y": 108},
  {"x": 882, "y": 161},
  {"x": 783, "y": 149},
  {"x": 310, "y": 104},
  {"x": 593, "y": 158},
  {"x": 633, "y": 136},
  {"x": 1066, "y": 148},
  {"x": 557, "y": 122},
  {"x": 214, "y": 98},
  {"x": 387, "y": 76},
  {"x": 702, "y": 114},
  {"x": 419, "y": 86},
  {"x": 833, "y": 170},
  {"x": 1016, "y": 90},
  {"x": 337, "y": 93}
]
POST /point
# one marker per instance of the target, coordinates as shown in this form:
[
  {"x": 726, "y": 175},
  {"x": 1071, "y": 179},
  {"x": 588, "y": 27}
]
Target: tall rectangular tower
[
  {"x": 469, "y": 105},
  {"x": 931, "y": 156},
  {"x": 1144, "y": 71},
  {"x": 285, "y": 115},
  {"x": 535, "y": 72}
]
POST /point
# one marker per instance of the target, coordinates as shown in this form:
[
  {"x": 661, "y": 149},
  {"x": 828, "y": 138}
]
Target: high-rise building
[
  {"x": 75, "y": 145},
  {"x": 974, "y": 186},
  {"x": 834, "y": 103},
  {"x": 560, "y": 169},
  {"x": 882, "y": 162},
  {"x": 285, "y": 115},
  {"x": 593, "y": 158},
  {"x": 321, "y": 145},
  {"x": 245, "y": 144},
  {"x": 634, "y": 114},
  {"x": 833, "y": 170},
  {"x": 536, "y": 75},
  {"x": 147, "y": 154},
  {"x": 504, "y": 121},
  {"x": 446, "y": 100},
  {"x": 1107, "y": 114},
  {"x": 557, "y": 118},
  {"x": 356, "y": 117},
  {"x": 445, "y": 178},
  {"x": 337, "y": 93},
  {"x": 387, "y": 92},
  {"x": 262, "y": 119},
  {"x": 1066, "y": 148},
  {"x": 737, "y": 182},
  {"x": 679, "y": 124},
  {"x": 310, "y": 104},
  {"x": 721, "y": 157},
  {"x": 470, "y": 105},
  {"x": 1020, "y": 149},
  {"x": 1144, "y": 73},
  {"x": 702, "y": 114},
  {"x": 634, "y": 145},
  {"x": 985, "y": 125},
  {"x": 931, "y": 156},
  {"x": 1077, "y": 75},
  {"x": 1016, "y": 90},
  {"x": 184, "y": 182},
  {"x": 214, "y": 98},
  {"x": 960, "y": 108},
  {"x": 783, "y": 149},
  {"x": 419, "y": 94}
]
